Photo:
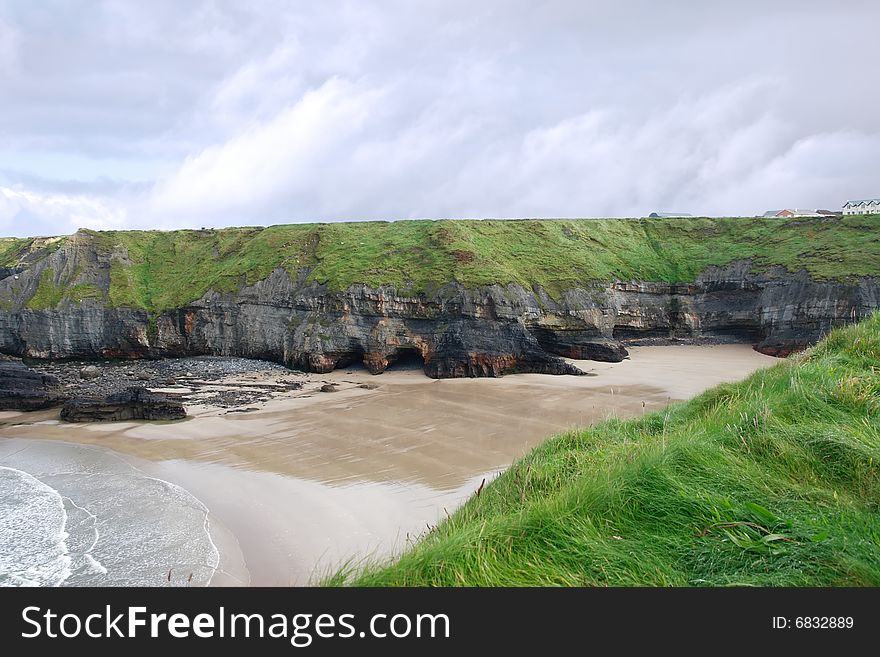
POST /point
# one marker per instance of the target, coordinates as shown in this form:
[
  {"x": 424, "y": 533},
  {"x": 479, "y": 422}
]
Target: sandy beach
[{"x": 307, "y": 480}]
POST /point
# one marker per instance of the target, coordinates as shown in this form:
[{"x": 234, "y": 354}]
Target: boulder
[
  {"x": 580, "y": 344},
  {"x": 22, "y": 389},
  {"x": 131, "y": 404},
  {"x": 90, "y": 372}
]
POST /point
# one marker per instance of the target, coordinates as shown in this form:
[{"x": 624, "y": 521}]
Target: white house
[{"x": 865, "y": 206}]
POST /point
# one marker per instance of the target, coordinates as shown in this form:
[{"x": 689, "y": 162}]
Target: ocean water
[{"x": 81, "y": 516}]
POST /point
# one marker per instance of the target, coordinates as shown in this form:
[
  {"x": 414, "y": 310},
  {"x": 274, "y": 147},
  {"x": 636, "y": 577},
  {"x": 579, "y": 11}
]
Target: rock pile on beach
[
  {"x": 22, "y": 389},
  {"x": 131, "y": 404},
  {"x": 238, "y": 385},
  {"x": 208, "y": 380}
]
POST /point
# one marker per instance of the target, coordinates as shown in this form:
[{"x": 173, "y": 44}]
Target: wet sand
[{"x": 312, "y": 479}]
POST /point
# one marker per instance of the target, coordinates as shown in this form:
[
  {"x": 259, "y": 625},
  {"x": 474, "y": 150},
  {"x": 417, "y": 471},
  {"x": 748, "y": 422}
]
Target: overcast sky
[{"x": 166, "y": 114}]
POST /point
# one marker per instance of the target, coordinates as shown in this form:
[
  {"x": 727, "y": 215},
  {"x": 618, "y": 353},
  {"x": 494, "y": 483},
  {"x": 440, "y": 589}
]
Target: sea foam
[
  {"x": 33, "y": 536},
  {"x": 81, "y": 516}
]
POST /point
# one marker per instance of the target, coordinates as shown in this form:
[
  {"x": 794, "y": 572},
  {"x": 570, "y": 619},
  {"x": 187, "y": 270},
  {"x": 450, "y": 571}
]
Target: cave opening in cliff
[
  {"x": 349, "y": 359},
  {"x": 408, "y": 358}
]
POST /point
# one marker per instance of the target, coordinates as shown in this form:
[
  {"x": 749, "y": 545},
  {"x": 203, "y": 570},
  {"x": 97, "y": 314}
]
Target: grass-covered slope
[
  {"x": 166, "y": 270},
  {"x": 15, "y": 250},
  {"x": 771, "y": 481}
]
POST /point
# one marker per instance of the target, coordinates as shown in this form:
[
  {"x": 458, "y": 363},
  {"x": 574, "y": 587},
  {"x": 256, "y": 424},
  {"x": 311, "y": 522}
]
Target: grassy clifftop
[
  {"x": 170, "y": 269},
  {"x": 771, "y": 481}
]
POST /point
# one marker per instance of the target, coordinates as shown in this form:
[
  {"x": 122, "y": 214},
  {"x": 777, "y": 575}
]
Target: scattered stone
[
  {"x": 328, "y": 387},
  {"x": 90, "y": 372},
  {"x": 249, "y": 409},
  {"x": 130, "y": 404},
  {"x": 204, "y": 378},
  {"x": 368, "y": 386},
  {"x": 22, "y": 389}
]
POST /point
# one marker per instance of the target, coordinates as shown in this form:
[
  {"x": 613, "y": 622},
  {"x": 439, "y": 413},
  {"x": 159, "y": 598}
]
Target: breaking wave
[{"x": 79, "y": 516}]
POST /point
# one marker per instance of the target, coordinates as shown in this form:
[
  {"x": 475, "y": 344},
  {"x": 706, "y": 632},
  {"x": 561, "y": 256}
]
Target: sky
[{"x": 168, "y": 114}]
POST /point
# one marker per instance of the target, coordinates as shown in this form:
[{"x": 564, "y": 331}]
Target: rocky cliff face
[
  {"x": 457, "y": 332},
  {"x": 22, "y": 389}
]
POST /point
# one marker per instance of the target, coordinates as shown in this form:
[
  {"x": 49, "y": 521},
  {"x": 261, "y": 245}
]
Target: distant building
[
  {"x": 667, "y": 215},
  {"x": 790, "y": 212},
  {"x": 864, "y": 206}
]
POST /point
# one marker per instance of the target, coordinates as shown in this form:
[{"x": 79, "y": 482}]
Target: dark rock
[
  {"x": 781, "y": 347},
  {"x": 328, "y": 387},
  {"x": 6, "y": 272},
  {"x": 131, "y": 404},
  {"x": 90, "y": 372},
  {"x": 580, "y": 344},
  {"x": 22, "y": 389}
]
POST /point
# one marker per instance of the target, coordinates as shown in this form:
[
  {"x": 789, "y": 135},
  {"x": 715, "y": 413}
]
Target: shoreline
[{"x": 311, "y": 479}]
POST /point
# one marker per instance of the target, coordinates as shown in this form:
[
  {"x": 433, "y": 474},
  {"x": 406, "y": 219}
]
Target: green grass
[
  {"x": 172, "y": 269},
  {"x": 82, "y": 291},
  {"x": 10, "y": 249},
  {"x": 768, "y": 482},
  {"x": 14, "y": 249},
  {"x": 48, "y": 294},
  {"x": 123, "y": 290}
]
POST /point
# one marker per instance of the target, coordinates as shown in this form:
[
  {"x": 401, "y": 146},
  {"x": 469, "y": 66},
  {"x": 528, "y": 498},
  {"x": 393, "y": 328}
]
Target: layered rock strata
[
  {"x": 132, "y": 404},
  {"x": 454, "y": 331},
  {"x": 22, "y": 389}
]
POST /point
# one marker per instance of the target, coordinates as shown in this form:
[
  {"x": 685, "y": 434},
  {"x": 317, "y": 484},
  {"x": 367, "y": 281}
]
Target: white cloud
[
  {"x": 9, "y": 41},
  {"x": 348, "y": 151},
  {"x": 257, "y": 88},
  {"x": 27, "y": 213},
  {"x": 271, "y": 162},
  {"x": 818, "y": 171},
  {"x": 213, "y": 114}
]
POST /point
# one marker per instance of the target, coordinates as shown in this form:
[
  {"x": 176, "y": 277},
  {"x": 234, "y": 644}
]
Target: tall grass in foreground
[{"x": 768, "y": 482}]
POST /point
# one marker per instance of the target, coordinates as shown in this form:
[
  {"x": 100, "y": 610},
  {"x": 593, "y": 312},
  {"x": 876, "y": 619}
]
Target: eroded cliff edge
[{"x": 60, "y": 303}]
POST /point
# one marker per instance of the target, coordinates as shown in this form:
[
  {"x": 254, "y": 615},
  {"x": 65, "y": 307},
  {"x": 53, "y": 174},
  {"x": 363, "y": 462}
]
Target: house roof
[
  {"x": 864, "y": 201},
  {"x": 795, "y": 211}
]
